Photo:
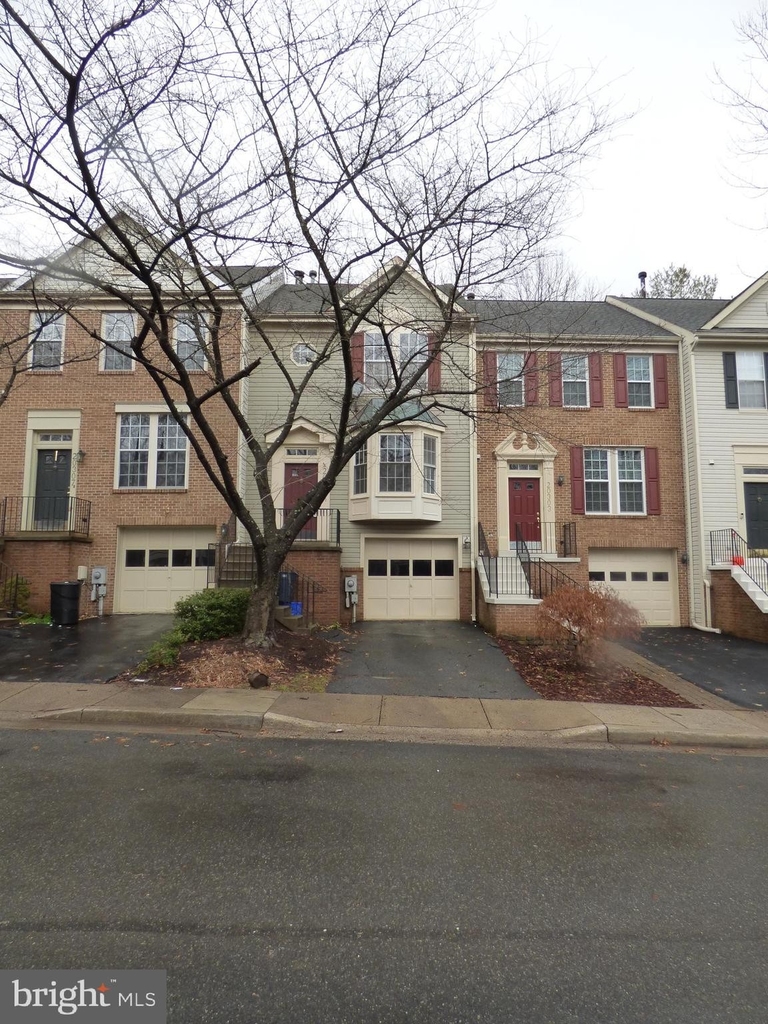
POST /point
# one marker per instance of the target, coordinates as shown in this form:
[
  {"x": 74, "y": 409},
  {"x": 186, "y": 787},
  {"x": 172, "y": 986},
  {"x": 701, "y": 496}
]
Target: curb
[
  {"x": 624, "y": 734},
  {"x": 138, "y": 716}
]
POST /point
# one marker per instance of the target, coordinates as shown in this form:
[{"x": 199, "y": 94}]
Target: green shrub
[
  {"x": 14, "y": 591},
  {"x": 163, "y": 652},
  {"x": 212, "y": 614}
]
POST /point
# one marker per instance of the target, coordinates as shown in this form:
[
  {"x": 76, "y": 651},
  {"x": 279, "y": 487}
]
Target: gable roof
[
  {"x": 560, "y": 318},
  {"x": 690, "y": 314}
]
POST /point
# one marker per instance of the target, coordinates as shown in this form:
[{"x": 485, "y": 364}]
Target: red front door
[
  {"x": 524, "y": 510},
  {"x": 298, "y": 480}
]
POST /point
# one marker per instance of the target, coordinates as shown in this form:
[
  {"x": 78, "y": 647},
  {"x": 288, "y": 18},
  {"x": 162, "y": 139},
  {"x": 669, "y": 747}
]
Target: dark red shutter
[
  {"x": 621, "y": 395},
  {"x": 490, "y": 383},
  {"x": 596, "y": 380},
  {"x": 357, "y": 353},
  {"x": 531, "y": 379},
  {"x": 660, "y": 385},
  {"x": 577, "y": 481},
  {"x": 652, "y": 490},
  {"x": 555, "y": 379},
  {"x": 435, "y": 369}
]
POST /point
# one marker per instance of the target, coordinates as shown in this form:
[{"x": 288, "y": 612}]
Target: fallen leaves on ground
[{"x": 548, "y": 670}]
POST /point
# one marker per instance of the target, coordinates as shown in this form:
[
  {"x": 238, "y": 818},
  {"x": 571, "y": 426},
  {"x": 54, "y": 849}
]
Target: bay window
[{"x": 395, "y": 463}]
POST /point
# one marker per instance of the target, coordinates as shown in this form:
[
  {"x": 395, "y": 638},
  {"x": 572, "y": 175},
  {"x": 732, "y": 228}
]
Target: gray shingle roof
[
  {"x": 688, "y": 313},
  {"x": 553, "y": 319},
  {"x": 244, "y": 275}
]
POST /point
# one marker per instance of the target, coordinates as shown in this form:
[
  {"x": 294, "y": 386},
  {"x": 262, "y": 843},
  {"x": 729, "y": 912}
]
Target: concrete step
[{"x": 750, "y": 588}]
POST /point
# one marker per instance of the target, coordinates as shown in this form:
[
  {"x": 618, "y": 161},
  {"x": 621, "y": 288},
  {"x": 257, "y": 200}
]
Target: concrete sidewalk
[{"x": 378, "y": 717}]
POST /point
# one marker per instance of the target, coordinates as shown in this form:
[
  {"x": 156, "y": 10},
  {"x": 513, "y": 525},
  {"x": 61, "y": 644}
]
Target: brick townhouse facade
[
  {"x": 93, "y": 470},
  {"x": 580, "y": 456}
]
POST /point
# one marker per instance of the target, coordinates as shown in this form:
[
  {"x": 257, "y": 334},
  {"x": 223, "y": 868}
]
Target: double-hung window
[
  {"x": 509, "y": 375},
  {"x": 47, "y": 349},
  {"x": 152, "y": 451},
  {"x": 430, "y": 464},
  {"x": 750, "y": 372},
  {"x": 378, "y": 369},
  {"x": 639, "y": 382},
  {"x": 395, "y": 463},
  {"x": 614, "y": 481},
  {"x": 118, "y": 333},
  {"x": 575, "y": 381},
  {"x": 360, "y": 471},
  {"x": 191, "y": 340},
  {"x": 413, "y": 349}
]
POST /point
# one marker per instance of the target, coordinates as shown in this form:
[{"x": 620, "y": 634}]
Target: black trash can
[
  {"x": 285, "y": 584},
  {"x": 65, "y": 602}
]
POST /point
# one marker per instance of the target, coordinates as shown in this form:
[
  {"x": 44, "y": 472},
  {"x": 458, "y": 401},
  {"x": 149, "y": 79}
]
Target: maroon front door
[
  {"x": 300, "y": 478},
  {"x": 524, "y": 510}
]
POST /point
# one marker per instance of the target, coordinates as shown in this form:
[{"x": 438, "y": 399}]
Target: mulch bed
[
  {"x": 297, "y": 662},
  {"x": 545, "y": 668}
]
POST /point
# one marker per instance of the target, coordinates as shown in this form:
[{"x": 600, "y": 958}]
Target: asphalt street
[{"x": 293, "y": 881}]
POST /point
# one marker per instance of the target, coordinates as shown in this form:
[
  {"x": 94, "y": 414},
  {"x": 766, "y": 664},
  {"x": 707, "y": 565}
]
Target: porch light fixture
[
  {"x": 79, "y": 455},
  {"x": 560, "y": 480}
]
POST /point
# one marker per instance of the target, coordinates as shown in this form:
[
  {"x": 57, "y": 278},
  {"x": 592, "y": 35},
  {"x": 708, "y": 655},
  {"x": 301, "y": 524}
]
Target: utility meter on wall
[{"x": 350, "y": 584}]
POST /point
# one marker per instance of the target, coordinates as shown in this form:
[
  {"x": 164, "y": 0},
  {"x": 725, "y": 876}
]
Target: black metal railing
[
  {"x": 324, "y": 526},
  {"x": 13, "y": 590},
  {"x": 503, "y": 574},
  {"x": 727, "y": 547},
  {"x": 542, "y": 576},
  {"x": 297, "y": 592},
  {"x": 558, "y": 538},
  {"x": 35, "y": 514}
]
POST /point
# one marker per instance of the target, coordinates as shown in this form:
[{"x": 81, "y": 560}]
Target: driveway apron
[
  {"x": 426, "y": 659},
  {"x": 90, "y": 652}
]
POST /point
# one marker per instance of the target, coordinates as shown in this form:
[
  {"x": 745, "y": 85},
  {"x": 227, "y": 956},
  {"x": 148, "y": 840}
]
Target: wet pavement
[
  {"x": 91, "y": 652},
  {"x": 734, "y": 669},
  {"x": 426, "y": 659}
]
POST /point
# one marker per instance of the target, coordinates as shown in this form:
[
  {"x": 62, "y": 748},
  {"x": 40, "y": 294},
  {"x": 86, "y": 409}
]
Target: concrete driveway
[
  {"x": 426, "y": 659},
  {"x": 734, "y": 669},
  {"x": 90, "y": 652}
]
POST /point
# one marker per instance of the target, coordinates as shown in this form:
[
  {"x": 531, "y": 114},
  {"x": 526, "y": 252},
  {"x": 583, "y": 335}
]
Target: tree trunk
[{"x": 260, "y": 618}]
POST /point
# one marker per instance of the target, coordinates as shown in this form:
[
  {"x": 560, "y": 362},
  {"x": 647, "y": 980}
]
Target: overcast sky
[{"x": 660, "y": 192}]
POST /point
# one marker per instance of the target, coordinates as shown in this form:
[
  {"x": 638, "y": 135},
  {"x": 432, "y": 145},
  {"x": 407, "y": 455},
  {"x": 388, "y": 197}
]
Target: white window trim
[
  {"x": 154, "y": 417},
  {"x": 642, "y": 355},
  {"x": 365, "y": 493},
  {"x": 33, "y": 327},
  {"x": 585, "y": 357},
  {"x": 206, "y": 332},
  {"x": 504, "y": 380},
  {"x": 105, "y": 347},
  {"x": 394, "y": 338},
  {"x": 739, "y": 378},
  {"x": 613, "y": 481},
  {"x": 417, "y": 435}
]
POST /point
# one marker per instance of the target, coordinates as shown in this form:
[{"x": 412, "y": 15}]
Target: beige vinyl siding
[
  {"x": 751, "y": 313},
  {"x": 269, "y": 396},
  {"x": 698, "y": 559},
  {"x": 719, "y": 430}
]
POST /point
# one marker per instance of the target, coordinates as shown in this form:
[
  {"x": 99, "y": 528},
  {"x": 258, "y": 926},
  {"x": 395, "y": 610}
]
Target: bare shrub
[{"x": 577, "y": 618}]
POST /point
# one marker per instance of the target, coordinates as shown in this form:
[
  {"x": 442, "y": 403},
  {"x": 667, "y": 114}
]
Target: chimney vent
[
  {"x": 470, "y": 295},
  {"x": 299, "y": 275},
  {"x": 643, "y": 293},
  {"x": 313, "y": 276}
]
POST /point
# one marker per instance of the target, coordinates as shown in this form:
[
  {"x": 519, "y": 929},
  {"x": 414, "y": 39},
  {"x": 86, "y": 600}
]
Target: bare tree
[
  {"x": 373, "y": 141},
  {"x": 675, "y": 282}
]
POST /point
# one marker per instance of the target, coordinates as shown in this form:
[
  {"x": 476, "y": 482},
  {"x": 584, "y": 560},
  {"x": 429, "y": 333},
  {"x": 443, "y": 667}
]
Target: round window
[{"x": 302, "y": 354}]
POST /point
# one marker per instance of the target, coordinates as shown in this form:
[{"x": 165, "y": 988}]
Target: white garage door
[
  {"x": 644, "y": 577},
  {"x": 156, "y": 566},
  {"x": 411, "y": 579}
]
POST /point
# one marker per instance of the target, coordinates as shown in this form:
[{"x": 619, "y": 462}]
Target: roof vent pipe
[
  {"x": 643, "y": 293},
  {"x": 313, "y": 276},
  {"x": 470, "y": 295},
  {"x": 299, "y": 275}
]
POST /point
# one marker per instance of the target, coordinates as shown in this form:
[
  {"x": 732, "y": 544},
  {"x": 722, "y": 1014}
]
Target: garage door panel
[
  {"x": 419, "y": 595},
  {"x": 644, "y": 577},
  {"x": 166, "y": 564}
]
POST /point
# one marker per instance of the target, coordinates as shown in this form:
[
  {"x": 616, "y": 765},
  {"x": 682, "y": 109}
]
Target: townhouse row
[{"x": 622, "y": 442}]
